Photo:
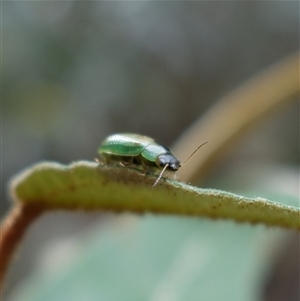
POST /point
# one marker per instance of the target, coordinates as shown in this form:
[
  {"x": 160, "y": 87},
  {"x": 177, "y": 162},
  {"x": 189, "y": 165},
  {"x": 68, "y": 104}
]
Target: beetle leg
[
  {"x": 126, "y": 162},
  {"x": 102, "y": 160},
  {"x": 160, "y": 175},
  {"x": 130, "y": 161},
  {"x": 145, "y": 168}
]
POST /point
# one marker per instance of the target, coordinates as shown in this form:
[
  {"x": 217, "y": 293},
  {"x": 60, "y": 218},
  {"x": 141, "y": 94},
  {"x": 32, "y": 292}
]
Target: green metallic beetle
[{"x": 133, "y": 149}]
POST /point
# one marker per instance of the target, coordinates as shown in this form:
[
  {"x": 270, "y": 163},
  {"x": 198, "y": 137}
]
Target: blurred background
[{"x": 74, "y": 72}]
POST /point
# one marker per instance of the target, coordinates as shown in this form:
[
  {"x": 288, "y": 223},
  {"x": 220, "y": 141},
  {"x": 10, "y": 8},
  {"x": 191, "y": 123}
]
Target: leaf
[
  {"x": 157, "y": 258},
  {"x": 91, "y": 186}
]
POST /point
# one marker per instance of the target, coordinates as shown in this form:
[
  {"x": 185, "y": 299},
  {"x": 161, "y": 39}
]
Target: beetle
[{"x": 133, "y": 149}]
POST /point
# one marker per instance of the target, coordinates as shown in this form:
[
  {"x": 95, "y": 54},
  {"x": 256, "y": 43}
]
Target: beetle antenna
[
  {"x": 192, "y": 154},
  {"x": 160, "y": 175}
]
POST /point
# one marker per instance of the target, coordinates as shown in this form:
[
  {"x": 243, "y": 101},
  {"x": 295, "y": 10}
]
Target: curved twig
[{"x": 235, "y": 114}]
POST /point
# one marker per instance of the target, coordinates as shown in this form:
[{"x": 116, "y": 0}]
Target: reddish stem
[{"x": 12, "y": 231}]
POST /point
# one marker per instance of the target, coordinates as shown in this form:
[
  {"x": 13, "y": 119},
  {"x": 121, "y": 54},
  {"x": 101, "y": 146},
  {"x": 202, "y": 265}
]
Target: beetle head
[{"x": 164, "y": 159}]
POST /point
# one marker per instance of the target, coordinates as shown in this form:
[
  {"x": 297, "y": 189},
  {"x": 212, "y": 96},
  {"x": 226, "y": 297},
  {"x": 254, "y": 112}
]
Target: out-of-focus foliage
[
  {"x": 74, "y": 72},
  {"x": 162, "y": 259}
]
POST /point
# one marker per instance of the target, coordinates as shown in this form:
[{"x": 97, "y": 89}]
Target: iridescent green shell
[{"x": 131, "y": 145}]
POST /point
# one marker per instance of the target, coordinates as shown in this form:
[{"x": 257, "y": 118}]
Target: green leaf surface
[
  {"x": 92, "y": 186},
  {"x": 160, "y": 259}
]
